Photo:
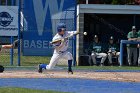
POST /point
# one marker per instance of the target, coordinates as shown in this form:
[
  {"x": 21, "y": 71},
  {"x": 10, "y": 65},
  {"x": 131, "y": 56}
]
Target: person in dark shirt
[
  {"x": 97, "y": 51},
  {"x": 132, "y": 48},
  {"x": 139, "y": 48},
  {"x": 113, "y": 50}
]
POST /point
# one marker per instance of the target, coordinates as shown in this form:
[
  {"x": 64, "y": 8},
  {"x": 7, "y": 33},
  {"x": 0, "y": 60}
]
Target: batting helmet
[{"x": 60, "y": 26}]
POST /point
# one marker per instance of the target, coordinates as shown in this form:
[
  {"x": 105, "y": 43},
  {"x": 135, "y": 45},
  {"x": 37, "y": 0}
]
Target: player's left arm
[
  {"x": 72, "y": 33},
  {"x": 58, "y": 45},
  {"x": 7, "y": 46}
]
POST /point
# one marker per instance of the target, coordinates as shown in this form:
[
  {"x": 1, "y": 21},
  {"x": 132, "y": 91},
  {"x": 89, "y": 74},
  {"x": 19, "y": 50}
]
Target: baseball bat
[{"x": 59, "y": 40}]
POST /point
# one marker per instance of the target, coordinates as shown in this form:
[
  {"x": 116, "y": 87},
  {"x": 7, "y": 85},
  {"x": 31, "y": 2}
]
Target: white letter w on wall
[{"x": 41, "y": 12}]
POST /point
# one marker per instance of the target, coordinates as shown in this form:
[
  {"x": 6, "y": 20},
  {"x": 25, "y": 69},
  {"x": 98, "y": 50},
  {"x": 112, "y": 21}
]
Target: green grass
[
  {"x": 25, "y": 60},
  {"x": 88, "y": 68},
  {"x": 35, "y": 60},
  {"x": 108, "y": 67},
  {"x": 24, "y": 90}
]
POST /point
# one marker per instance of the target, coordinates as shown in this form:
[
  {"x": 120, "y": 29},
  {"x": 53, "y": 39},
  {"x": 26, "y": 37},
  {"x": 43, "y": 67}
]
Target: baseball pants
[
  {"x": 103, "y": 57},
  {"x": 110, "y": 55},
  {"x": 130, "y": 52},
  {"x": 55, "y": 58}
]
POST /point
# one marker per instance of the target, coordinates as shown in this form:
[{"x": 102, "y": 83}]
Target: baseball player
[
  {"x": 60, "y": 50},
  {"x": 139, "y": 48},
  {"x": 132, "y": 48},
  {"x": 97, "y": 51},
  {"x": 113, "y": 50}
]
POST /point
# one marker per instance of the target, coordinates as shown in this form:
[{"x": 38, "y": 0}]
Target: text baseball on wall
[
  {"x": 40, "y": 20},
  {"x": 8, "y": 20}
]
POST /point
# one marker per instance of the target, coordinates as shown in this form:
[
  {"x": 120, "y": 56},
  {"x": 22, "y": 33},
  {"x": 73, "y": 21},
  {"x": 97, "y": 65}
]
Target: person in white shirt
[{"x": 60, "y": 50}]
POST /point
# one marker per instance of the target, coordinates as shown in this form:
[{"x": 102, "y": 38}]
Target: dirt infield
[{"x": 114, "y": 76}]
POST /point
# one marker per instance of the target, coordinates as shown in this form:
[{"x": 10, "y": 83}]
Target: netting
[{"x": 35, "y": 48}]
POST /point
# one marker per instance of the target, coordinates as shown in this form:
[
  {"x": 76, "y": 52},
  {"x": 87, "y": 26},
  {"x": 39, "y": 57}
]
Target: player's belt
[{"x": 62, "y": 51}]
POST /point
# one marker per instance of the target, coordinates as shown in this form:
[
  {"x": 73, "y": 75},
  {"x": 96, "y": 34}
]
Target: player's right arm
[
  {"x": 72, "y": 33},
  {"x": 7, "y": 46},
  {"x": 58, "y": 45},
  {"x": 132, "y": 39},
  {"x": 129, "y": 36}
]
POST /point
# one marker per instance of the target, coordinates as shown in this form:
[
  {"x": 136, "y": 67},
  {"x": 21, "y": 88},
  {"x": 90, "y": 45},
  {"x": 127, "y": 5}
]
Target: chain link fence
[
  {"x": 67, "y": 17},
  {"x": 5, "y": 56}
]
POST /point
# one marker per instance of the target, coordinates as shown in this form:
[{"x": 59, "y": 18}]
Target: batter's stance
[{"x": 60, "y": 50}]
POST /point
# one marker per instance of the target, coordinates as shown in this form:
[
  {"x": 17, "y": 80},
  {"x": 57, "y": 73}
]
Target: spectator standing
[
  {"x": 139, "y": 48},
  {"x": 132, "y": 48}
]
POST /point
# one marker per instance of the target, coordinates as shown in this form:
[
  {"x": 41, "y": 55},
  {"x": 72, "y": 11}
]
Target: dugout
[{"x": 105, "y": 21}]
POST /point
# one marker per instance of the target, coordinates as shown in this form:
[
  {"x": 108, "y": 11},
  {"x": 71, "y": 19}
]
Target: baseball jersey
[
  {"x": 139, "y": 33},
  {"x": 65, "y": 44},
  {"x": 97, "y": 47},
  {"x": 132, "y": 35},
  {"x": 113, "y": 47}
]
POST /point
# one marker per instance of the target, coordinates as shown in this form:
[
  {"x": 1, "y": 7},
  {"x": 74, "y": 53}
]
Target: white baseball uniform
[{"x": 60, "y": 50}]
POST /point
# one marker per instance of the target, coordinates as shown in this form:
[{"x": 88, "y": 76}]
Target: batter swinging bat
[{"x": 59, "y": 40}]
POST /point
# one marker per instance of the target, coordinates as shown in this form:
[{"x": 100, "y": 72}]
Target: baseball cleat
[
  {"x": 70, "y": 72},
  {"x": 129, "y": 64},
  {"x": 101, "y": 64},
  {"x": 39, "y": 68}
]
